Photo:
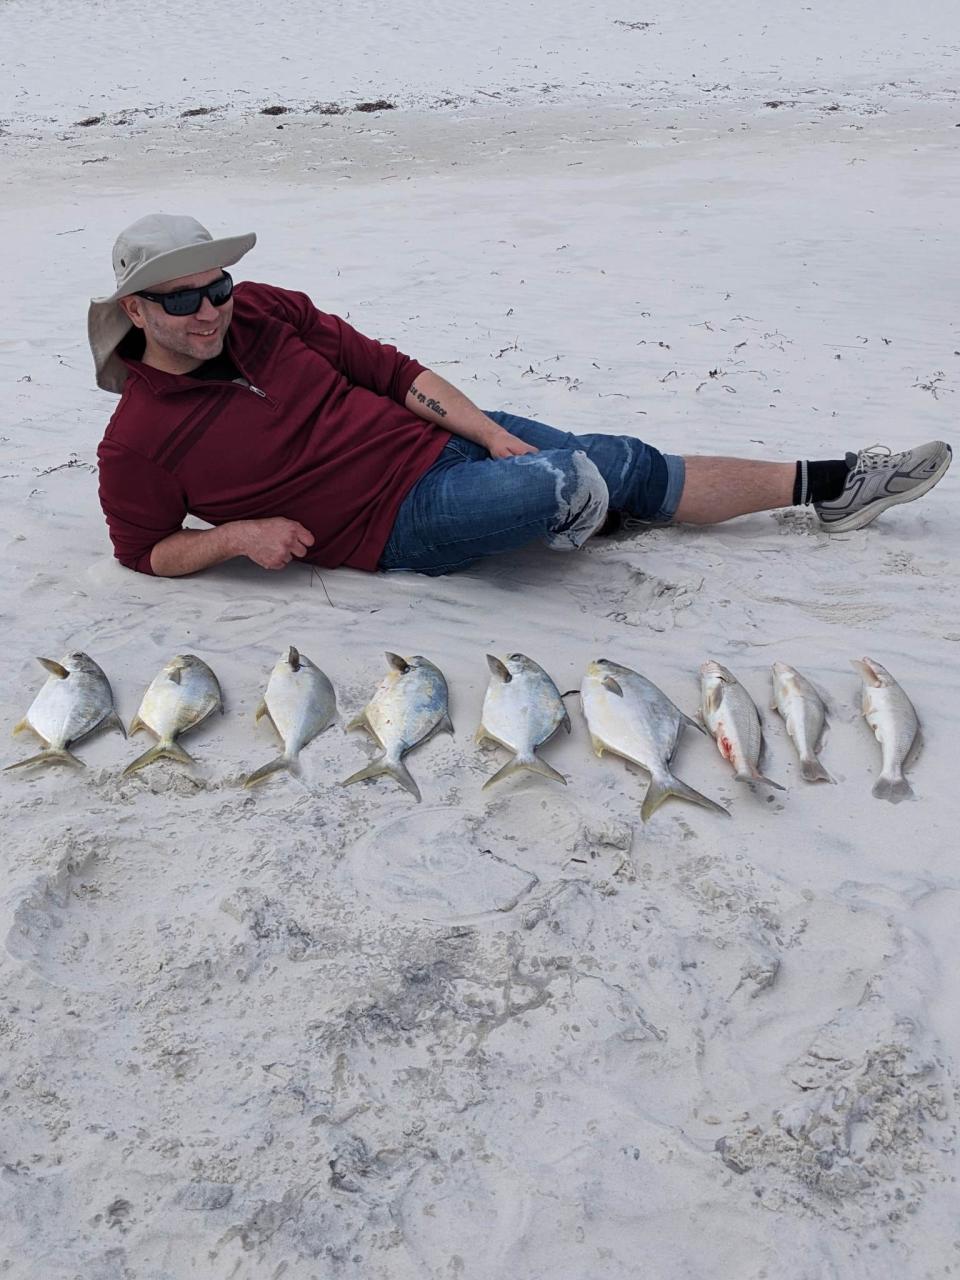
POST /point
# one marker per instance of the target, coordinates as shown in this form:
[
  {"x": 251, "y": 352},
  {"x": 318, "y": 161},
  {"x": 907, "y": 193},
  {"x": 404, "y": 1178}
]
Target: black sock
[{"x": 819, "y": 481}]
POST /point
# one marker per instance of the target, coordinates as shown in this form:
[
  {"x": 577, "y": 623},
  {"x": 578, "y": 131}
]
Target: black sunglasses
[{"x": 187, "y": 302}]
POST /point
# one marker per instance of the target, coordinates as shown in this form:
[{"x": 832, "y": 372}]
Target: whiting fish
[
  {"x": 804, "y": 716},
  {"x": 731, "y": 716},
  {"x": 890, "y": 714}
]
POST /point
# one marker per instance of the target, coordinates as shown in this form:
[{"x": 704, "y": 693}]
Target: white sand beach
[{"x": 314, "y": 1032}]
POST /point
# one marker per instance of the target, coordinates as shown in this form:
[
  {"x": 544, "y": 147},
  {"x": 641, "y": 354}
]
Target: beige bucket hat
[{"x": 160, "y": 247}]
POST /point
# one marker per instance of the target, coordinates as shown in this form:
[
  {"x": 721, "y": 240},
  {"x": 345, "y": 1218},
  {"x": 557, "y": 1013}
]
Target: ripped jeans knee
[{"x": 582, "y": 499}]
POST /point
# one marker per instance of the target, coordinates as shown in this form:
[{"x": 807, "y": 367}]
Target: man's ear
[{"x": 133, "y": 308}]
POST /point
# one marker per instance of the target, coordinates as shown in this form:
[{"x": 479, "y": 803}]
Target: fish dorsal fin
[
  {"x": 498, "y": 669},
  {"x": 175, "y": 675},
  {"x": 608, "y": 682},
  {"x": 55, "y": 668},
  {"x": 293, "y": 657},
  {"x": 398, "y": 663}
]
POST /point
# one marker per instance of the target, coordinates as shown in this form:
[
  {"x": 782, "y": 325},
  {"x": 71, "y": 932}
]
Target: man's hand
[
  {"x": 271, "y": 543},
  {"x": 433, "y": 398},
  {"x": 501, "y": 444}
]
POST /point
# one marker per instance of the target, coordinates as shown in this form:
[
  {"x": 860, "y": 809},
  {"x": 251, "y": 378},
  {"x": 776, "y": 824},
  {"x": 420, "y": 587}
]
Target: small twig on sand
[
  {"x": 315, "y": 572},
  {"x": 933, "y": 384},
  {"x": 73, "y": 461}
]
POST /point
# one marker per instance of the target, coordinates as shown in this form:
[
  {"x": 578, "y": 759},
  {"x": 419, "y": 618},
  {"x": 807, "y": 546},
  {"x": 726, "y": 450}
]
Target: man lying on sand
[{"x": 296, "y": 436}]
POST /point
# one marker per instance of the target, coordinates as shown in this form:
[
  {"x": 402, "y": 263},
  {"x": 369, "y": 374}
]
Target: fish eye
[{"x": 515, "y": 657}]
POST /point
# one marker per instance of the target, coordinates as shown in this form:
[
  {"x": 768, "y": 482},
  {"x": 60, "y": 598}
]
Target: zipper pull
[{"x": 257, "y": 392}]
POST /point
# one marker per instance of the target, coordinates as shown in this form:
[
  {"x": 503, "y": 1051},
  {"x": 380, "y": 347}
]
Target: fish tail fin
[
  {"x": 533, "y": 764},
  {"x": 49, "y": 757},
  {"x": 290, "y": 763},
  {"x": 162, "y": 751},
  {"x": 113, "y": 721},
  {"x": 892, "y": 789},
  {"x": 691, "y": 723},
  {"x": 757, "y": 776},
  {"x": 777, "y": 786},
  {"x": 813, "y": 771},
  {"x": 660, "y": 788},
  {"x": 395, "y": 769}
]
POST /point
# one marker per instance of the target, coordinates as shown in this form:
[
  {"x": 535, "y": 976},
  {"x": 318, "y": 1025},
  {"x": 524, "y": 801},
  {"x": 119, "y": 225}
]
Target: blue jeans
[{"x": 469, "y": 505}]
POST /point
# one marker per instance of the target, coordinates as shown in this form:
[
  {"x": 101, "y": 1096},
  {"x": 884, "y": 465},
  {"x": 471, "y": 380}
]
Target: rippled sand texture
[{"x": 405, "y": 1052}]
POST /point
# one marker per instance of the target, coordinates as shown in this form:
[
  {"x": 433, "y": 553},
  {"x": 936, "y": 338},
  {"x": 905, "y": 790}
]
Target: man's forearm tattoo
[{"x": 428, "y": 402}]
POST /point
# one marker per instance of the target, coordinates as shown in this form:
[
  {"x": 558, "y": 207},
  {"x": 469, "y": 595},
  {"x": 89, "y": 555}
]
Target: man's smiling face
[{"x": 178, "y": 344}]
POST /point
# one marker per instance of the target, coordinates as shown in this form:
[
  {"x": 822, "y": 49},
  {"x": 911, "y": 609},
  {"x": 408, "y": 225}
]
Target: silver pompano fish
[
  {"x": 522, "y": 709},
  {"x": 178, "y": 698},
  {"x": 74, "y": 701},
  {"x": 300, "y": 703},
  {"x": 410, "y": 705},
  {"x": 629, "y": 716},
  {"x": 732, "y": 718},
  {"x": 890, "y": 714},
  {"x": 804, "y": 716}
]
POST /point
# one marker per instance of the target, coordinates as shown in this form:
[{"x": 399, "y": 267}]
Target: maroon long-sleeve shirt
[{"x": 321, "y": 435}]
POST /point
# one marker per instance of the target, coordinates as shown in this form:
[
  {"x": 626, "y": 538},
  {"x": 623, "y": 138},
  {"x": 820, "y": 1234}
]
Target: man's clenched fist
[{"x": 272, "y": 543}]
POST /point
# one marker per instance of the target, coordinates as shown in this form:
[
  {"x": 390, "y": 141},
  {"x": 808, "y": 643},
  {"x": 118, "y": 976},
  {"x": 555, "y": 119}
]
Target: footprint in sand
[
  {"x": 99, "y": 919},
  {"x": 477, "y": 1209},
  {"x": 436, "y": 865}
]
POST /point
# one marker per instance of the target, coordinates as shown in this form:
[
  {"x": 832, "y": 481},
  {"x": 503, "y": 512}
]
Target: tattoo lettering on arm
[{"x": 427, "y": 401}]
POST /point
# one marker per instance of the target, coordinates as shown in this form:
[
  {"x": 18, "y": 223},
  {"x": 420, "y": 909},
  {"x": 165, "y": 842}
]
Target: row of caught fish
[{"x": 626, "y": 714}]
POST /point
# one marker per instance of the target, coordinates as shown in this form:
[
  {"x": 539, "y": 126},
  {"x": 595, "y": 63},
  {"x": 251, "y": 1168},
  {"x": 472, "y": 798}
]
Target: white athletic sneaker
[{"x": 879, "y": 479}]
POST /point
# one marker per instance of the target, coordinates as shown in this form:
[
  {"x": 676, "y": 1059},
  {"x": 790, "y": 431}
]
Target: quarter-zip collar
[{"x": 162, "y": 383}]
